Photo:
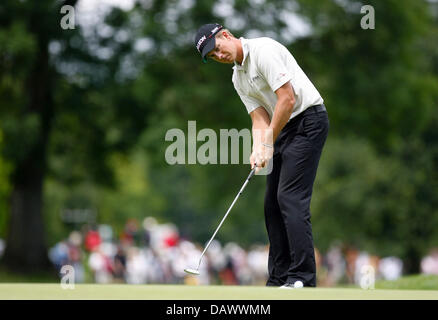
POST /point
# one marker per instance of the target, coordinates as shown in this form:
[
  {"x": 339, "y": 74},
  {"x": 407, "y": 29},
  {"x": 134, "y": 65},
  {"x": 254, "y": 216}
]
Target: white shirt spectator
[
  {"x": 391, "y": 268},
  {"x": 429, "y": 264}
]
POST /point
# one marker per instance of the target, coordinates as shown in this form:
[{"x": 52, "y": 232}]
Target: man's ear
[{"x": 226, "y": 35}]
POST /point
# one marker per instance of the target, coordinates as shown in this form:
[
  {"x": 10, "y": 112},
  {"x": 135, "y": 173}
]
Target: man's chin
[{"x": 227, "y": 61}]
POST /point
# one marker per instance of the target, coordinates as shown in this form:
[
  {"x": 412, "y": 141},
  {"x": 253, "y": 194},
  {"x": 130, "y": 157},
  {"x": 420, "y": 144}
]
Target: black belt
[
  {"x": 317, "y": 108},
  {"x": 313, "y": 109}
]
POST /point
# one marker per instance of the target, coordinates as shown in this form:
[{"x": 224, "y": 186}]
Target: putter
[{"x": 196, "y": 271}]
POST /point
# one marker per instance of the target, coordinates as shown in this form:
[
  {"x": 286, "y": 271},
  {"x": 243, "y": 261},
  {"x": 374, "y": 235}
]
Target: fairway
[{"x": 25, "y": 291}]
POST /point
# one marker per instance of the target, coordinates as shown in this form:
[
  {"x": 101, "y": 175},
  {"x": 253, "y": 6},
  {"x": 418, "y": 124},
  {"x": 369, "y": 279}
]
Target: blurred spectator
[
  {"x": 217, "y": 259},
  {"x": 92, "y": 240},
  {"x": 258, "y": 262},
  {"x": 145, "y": 236},
  {"x": 155, "y": 253},
  {"x": 429, "y": 264},
  {"x": 136, "y": 266},
  {"x": 351, "y": 254},
  {"x": 390, "y": 268},
  {"x": 336, "y": 265},
  {"x": 59, "y": 255},
  {"x": 321, "y": 269},
  {"x": 227, "y": 274},
  {"x": 164, "y": 236},
  {"x": 69, "y": 253},
  {"x": 155, "y": 272},
  {"x": 234, "y": 269},
  {"x": 129, "y": 236},
  {"x": 100, "y": 266},
  {"x": 75, "y": 255},
  {"x": 119, "y": 269},
  {"x": 105, "y": 232}
]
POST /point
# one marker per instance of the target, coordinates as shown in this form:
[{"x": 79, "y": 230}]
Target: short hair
[{"x": 219, "y": 34}]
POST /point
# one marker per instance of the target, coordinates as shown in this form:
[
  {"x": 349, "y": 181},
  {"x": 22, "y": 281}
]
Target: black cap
[{"x": 205, "y": 40}]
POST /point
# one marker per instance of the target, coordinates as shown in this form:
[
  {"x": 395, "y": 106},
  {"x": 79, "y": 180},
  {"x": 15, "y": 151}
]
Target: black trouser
[{"x": 297, "y": 151}]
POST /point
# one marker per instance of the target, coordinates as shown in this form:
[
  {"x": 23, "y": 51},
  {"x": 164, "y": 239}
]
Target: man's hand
[
  {"x": 261, "y": 155},
  {"x": 262, "y": 149}
]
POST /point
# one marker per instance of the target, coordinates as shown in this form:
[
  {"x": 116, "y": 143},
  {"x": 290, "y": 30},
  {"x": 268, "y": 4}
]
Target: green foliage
[
  {"x": 373, "y": 201},
  {"x": 199, "y": 196},
  {"x": 17, "y": 49},
  {"x": 134, "y": 196},
  {"x": 392, "y": 89},
  {"x": 8, "y": 276}
]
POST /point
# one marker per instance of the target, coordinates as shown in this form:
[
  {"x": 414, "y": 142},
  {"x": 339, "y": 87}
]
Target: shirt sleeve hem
[
  {"x": 251, "y": 109},
  {"x": 280, "y": 83}
]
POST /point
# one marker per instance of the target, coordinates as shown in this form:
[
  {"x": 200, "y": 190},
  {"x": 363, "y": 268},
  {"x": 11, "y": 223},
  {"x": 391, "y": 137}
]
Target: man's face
[{"x": 225, "y": 50}]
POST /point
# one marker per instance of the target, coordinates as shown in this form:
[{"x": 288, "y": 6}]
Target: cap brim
[{"x": 208, "y": 47}]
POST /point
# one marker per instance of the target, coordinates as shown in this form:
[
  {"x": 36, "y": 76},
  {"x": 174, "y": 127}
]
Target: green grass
[
  {"x": 31, "y": 291},
  {"x": 420, "y": 282},
  {"x": 46, "y": 286}
]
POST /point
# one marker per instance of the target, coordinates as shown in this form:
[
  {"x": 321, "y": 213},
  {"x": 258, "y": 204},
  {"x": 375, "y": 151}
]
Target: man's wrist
[{"x": 268, "y": 140}]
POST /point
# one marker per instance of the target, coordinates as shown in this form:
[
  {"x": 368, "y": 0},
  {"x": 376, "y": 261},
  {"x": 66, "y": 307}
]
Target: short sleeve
[
  {"x": 250, "y": 103},
  {"x": 272, "y": 65}
]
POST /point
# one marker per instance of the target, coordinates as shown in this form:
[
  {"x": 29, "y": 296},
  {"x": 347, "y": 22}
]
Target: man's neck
[{"x": 239, "y": 56}]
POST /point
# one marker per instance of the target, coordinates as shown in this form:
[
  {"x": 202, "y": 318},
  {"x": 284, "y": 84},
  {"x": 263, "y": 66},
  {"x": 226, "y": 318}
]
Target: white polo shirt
[{"x": 266, "y": 66}]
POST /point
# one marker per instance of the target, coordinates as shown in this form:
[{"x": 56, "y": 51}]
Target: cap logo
[
  {"x": 200, "y": 42},
  {"x": 214, "y": 30}
]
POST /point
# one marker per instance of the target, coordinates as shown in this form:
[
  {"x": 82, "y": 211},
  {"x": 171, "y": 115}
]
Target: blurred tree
[
  {"x": 27, "y": 110},
  {"x": 382, "y": 204},
  {"x": 378, "y": 83},
  {"x": 63, "y": 113}
]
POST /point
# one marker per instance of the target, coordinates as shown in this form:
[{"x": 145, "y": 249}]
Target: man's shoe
[{"x": 296, "y": 285}]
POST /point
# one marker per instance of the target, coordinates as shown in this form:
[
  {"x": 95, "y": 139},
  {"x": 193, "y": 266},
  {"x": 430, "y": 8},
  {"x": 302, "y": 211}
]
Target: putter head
[{"x": 191, "y": 271}]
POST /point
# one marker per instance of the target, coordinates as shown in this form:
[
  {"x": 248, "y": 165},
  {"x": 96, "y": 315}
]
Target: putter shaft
[{"x": 225, "y": 216}]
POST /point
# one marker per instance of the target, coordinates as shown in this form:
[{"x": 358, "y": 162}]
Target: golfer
[{"x": 289, "y": 128}]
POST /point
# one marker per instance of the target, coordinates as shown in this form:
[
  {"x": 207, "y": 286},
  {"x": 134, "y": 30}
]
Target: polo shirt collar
[{"x": 245, "y": 54}]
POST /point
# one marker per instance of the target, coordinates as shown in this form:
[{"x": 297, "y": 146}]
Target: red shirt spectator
[{"x": 92, "y": 240}]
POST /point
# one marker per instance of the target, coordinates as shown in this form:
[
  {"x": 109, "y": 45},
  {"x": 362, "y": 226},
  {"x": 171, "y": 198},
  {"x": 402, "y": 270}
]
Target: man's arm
[
  {"x": 283, "y": 110},
  {"x": 265, "y": 131},
  {"x": 260, "y": 122}
]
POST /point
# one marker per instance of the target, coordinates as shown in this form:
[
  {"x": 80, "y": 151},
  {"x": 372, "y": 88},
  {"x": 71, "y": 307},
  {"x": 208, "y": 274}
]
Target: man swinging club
[{"x": 289, "y": 112}]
